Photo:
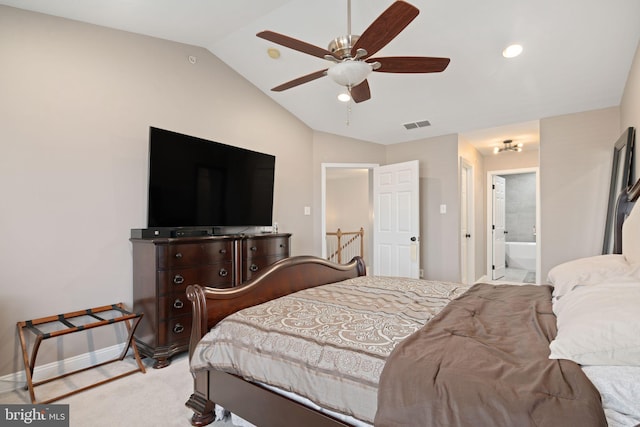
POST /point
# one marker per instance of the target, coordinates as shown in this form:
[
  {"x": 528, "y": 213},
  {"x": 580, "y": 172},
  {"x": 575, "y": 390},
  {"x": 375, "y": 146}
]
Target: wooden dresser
[
  {"x": 262, "y": 250},
  {"x": 164, "y": 267}
]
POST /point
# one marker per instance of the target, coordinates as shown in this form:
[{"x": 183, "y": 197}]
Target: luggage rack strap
[{"x": 71, "y": 328}]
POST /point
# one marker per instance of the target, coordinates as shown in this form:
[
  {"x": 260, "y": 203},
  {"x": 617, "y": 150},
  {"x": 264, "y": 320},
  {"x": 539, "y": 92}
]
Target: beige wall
[
  {"x": 575, "y": 167},
  {"x": 630, "y": 105},
  {"x": 345, "y": 198},
  {"x": 506, "y": 161}
]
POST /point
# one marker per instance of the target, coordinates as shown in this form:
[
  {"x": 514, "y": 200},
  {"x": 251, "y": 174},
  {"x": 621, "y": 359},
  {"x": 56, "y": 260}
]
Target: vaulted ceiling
[{"x": 577, "y": 55}]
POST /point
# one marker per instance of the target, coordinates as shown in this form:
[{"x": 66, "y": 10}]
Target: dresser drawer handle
[
  {"x": 253, "y": 248},
  {"x": 178, "y": 328},
  {"x": 223, "y": 272},
  {"x": 253, "y": 268},
  {"x": 178, "y": 279},
  {"x": 178, "y": 304},
  {"x": 179, "y": 255}
]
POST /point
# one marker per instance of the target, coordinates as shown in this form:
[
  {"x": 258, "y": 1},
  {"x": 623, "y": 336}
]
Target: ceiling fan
[{"x": 351, "y": 54}]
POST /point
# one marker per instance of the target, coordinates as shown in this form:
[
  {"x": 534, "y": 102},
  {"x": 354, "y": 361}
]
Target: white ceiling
[{"x": 577, "y": 55}]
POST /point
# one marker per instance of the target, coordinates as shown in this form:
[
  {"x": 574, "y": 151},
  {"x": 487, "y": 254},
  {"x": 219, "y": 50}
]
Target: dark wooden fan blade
[
  {"x": 300, "y": 80},
  {"x": 386, "y": 27},
  {"x": 360, "y": 92},
  {"x": 410, "y": 64},
  {"x": 294, "y": 44}
]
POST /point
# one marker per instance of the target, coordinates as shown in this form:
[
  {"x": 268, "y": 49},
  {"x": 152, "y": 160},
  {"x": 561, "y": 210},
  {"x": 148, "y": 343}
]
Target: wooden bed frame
[{"x": 252, "y": 402}]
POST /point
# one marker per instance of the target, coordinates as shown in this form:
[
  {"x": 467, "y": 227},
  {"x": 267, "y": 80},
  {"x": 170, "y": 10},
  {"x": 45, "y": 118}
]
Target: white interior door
[
  {"x": 396, "y": 220},
  {"x": 498, "y": 228}
]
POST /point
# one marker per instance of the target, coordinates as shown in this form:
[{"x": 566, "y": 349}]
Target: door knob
[
  {"x": 414, "y": 238},
  {"x": 468, "y": 236}
]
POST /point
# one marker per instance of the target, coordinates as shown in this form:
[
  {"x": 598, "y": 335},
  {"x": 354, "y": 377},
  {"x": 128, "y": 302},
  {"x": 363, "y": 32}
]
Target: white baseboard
[{"x": 18, "y": 380}]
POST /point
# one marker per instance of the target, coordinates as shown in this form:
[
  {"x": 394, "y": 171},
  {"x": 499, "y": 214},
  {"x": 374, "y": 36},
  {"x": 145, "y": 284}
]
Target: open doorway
[
  {"x": 356, "y": 194},
  {"x": 513, "y": 226},
  {"x": 347, "y": 204}
]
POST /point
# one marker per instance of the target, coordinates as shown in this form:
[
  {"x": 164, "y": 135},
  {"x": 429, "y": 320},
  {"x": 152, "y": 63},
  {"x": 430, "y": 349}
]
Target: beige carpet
[{"x": 153, "y": 399}]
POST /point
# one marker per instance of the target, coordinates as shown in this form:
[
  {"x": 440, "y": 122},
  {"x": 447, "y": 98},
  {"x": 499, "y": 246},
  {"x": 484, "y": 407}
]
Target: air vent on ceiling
[{"x": 416, "y": 125}]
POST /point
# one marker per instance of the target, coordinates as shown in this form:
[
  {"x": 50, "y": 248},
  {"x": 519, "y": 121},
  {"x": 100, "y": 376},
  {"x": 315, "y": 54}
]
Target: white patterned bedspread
[{"x": 329, "y": 343}]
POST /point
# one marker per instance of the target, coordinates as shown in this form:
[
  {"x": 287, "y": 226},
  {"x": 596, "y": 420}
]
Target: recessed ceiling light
[
  {"x": 273, "y": 53},
  {"x": 344, "y": 97},
  {"x": 512, "y": 51}
]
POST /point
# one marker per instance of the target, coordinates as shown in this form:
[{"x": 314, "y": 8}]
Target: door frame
[
  {"x": 490, "y": 175},
  {"x": 470, "y": 266},
  {"x": 323, "y": 194}
]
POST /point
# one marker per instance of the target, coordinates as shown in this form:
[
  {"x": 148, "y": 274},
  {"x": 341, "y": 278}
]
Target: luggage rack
[{"x": 99, "y": 317}]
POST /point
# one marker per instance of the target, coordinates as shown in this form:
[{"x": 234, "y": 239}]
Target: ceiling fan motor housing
[{"x": 341, "y": 46}]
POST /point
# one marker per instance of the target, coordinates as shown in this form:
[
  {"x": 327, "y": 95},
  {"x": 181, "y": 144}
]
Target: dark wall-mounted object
[
  {"x": 199, "y": 184},
  {"x": 622, "y": 176}
]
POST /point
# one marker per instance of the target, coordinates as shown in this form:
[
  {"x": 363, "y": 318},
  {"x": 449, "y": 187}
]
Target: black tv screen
[{"x": 194, "y": 182}]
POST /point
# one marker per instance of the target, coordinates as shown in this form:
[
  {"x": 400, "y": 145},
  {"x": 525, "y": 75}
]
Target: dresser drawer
[
  {"x": 216, "y": 252},
  {"x": 217, "y": 276},
  {"x": 173, "y": 306},
  {"x": 179, "y": 255},
  {"x": 175, "y": 281},
  {"x": 265, "y": 246},
  {"x": 175, "y": 330},
  {"x": 254, "y": 266}
]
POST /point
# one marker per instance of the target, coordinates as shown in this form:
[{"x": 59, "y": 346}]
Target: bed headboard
[{"x": 627, "y": 233}]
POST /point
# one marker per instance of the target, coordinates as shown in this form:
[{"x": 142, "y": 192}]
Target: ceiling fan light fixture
[
  {"x": 344, "y": 97},
  {"x": 512, "y": 51},
  {"x": 349, "y": 73}
]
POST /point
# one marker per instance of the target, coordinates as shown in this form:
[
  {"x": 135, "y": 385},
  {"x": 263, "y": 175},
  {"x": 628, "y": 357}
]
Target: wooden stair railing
[{"x": 353, "y": 237}]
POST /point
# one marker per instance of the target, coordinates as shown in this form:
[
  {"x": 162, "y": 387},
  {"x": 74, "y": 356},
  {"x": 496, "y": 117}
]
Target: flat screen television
[{"x": 196, "y": 183}]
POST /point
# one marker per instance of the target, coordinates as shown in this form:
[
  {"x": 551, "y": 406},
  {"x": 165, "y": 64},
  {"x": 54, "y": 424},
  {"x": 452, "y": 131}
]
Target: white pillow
[
  {"x": 591, "y": 271},
  {"x": 599, "y": 325}
]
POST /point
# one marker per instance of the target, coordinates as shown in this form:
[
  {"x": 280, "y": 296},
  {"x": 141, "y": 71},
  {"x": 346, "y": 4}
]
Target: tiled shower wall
[{"x": 520, "y": 200}]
